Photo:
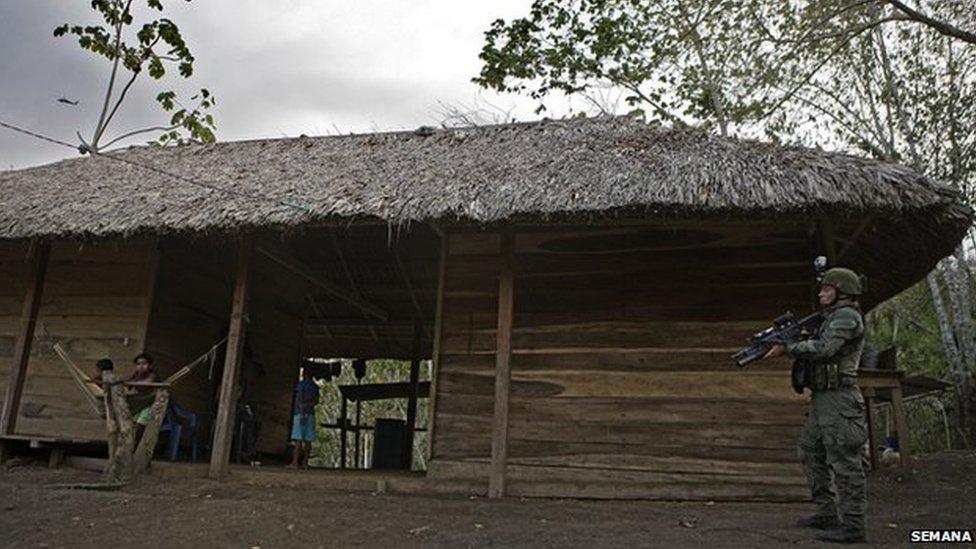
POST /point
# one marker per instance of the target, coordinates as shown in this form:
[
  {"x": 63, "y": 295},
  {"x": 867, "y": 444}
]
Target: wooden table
[{"x": 885, "y": 385}]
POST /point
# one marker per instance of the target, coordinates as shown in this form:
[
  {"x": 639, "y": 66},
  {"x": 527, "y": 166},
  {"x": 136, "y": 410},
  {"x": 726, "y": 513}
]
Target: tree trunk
[
  {"x": 120, "y": 461},
  {"x": 959, "y": 300},
  {"x": 958, "y": 373},
  {"x": 147, "y": 445}
]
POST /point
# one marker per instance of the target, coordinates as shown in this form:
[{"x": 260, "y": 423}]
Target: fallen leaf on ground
[{"x": 419, "y": 529}]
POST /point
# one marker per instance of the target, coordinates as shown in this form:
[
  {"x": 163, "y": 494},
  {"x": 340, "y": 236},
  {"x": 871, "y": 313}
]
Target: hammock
[{"x": 95, "y": 394}]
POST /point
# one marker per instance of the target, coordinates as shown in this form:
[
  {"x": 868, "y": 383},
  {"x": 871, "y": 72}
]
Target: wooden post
[
  {"x": 342, "y": 433},
  {"x": 503, "y": 367},
  {"x": 40, "y": 254},
  {"x": 436, "y": 349},
  {"x": 872, "y": 419},
  {"x": 406, "y": 457},
  {"x": 904, "y": 444},
  {"x": 359, "y": 405},
  {"x": 227, "y": 408}
]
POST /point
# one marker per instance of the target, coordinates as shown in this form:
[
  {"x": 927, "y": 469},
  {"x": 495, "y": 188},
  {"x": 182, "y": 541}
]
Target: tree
[
  {"x": 680, "y": 61},
  {"x": 154, "y": 49},
  {"x": 126, "y": 458}
]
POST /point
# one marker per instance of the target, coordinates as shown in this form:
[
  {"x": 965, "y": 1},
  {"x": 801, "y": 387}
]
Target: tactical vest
[{"x": 840, "y": 370}]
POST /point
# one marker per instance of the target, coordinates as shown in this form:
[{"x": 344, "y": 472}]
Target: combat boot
[
  {"x": 843, "y": 534},
  {"x": 820, "y": 522}
]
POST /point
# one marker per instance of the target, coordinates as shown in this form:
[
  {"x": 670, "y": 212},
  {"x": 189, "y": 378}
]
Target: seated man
[{"x": 303, "y": 419}]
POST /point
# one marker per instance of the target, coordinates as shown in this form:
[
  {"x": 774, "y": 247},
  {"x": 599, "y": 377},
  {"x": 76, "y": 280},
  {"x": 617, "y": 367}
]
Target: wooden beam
[
  {"x": 345, "y": 269},
  {"x": 874, "y": 438},
  {"x": 436, "y": 347},
  {"x": 40, "y": 254},
  {"x": 901, "y": 426},
  {"x": 318, "y": 313},
  {"x": 296, "y": 267},
  {"x": 325, "y": 322},
  {"x": 418, "y": 310},
  {"x": 227, "y": 408},
  {"x": 503, "y": 367},
  {"x": 406, "y": 457}
]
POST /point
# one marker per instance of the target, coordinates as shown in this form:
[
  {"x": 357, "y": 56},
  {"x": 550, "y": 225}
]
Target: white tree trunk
[
  {"x": 945, "y": 326},
  {"x": 959, "y": 300},
  {"x": 961, "y": 375}
]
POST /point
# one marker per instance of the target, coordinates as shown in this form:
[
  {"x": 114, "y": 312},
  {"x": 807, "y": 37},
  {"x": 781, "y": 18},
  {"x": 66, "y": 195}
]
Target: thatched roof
[{"x": 573, "y": 167}]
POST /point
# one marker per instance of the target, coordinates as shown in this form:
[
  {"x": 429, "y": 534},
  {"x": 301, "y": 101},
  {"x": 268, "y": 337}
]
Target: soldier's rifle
[{"x": 786, "y": 329}]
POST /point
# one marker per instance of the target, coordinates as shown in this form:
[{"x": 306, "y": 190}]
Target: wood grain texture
[
  {"x": 25, "y": 337},
  {"x": 227, "y": 407},
  {"x": 503, "y": 368},
  {"x": 95, "y": 304},
  {"x": 620, "y": 356}
]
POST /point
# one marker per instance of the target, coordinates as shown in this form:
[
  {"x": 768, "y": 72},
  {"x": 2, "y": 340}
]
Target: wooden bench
[
  {"x": 888, "y": 385},
  {"x": 58, "y": 446}
]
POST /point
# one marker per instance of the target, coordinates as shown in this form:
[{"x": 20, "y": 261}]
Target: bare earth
[{"x": 198, "y": 513}]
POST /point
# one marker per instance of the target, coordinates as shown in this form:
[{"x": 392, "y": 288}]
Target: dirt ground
[{"x": 198, "y": 513}]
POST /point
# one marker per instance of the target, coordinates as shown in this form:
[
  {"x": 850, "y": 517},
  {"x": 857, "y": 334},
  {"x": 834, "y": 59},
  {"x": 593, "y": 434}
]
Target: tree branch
[
  {"x": 128, "y": 85},
  {"x": 121, "y": 97},
  {"x": 137, "y": 132},
  {"x": 100, "y": 127},
  {"x": 806, "y": 79},
  {"x": 939, "y": 26}
]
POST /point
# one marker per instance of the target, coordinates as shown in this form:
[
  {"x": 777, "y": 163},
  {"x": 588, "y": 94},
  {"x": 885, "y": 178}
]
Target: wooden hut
[{"x": 579, "y": 284}]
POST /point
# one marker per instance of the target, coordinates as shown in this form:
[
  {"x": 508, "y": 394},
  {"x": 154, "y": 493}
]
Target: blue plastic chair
[{"x": 178, "y": 421}]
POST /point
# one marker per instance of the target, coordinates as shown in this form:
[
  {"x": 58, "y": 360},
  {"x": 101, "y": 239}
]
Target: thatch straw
[{"x": 484, "y": 174}]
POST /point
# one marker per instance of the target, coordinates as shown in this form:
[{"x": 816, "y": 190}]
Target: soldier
[{"x": 835, "y": 429}]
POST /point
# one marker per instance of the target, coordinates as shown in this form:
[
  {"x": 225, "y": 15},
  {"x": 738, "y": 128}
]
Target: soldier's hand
[{"x": 777, "y": 349}]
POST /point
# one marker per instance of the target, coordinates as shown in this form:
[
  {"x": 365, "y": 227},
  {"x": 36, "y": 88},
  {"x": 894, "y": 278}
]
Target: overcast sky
[{"x": 278, "y": 68}]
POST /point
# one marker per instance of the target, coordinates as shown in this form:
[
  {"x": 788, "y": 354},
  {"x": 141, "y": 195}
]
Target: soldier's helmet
[{"x": 845, "y": 280}]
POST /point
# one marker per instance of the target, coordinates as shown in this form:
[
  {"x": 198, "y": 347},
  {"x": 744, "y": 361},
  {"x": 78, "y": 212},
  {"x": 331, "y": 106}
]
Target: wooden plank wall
[
  {"x": 14, "y": 269},
  {"x": 95, "y": 302},
  {"x": 621, "y": 380}
]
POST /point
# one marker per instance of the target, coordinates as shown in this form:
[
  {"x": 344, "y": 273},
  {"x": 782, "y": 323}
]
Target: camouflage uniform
[{"x": 836, "y": 429}]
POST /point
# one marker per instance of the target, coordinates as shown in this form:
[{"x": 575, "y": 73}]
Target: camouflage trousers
[{"x": 830, "y": 448}]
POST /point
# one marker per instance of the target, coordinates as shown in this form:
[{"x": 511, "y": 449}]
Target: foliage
[
  {"x": 680, "y": 61},
  {"x": 908, "y": 323},
  {"x": 326, "y": 447},
  {"x": 896, "y": 92},
  {"x": 154, "y": 48}
]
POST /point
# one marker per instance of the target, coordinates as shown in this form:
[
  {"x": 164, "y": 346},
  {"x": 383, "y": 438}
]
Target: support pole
[
  {"x": 872, "y": 419},
  {"x": 406, "y": 457},
  {"x": 901, "y": 425},
  {"x": 503, "y": 367},
  {"x": 342, "y": 433},
  {"x": 40, "y": 254},
  {"x": 436, "y": 348},
  {"x": 357, "y": 461},
  {"x": 227, "y": 408}
]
